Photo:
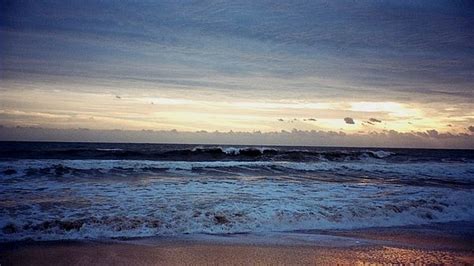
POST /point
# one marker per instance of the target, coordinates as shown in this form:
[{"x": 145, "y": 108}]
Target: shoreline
[{"x": 448, "y": 243}]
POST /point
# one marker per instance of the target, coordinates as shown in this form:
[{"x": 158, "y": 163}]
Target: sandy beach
[
  {"x": 206, "y": 254},
  {"x": 432, "y": 245}
]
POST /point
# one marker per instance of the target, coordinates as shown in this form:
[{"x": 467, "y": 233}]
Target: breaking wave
[
  {"x": 215, "y": 207},
  {"x": 200, "y": 153}
]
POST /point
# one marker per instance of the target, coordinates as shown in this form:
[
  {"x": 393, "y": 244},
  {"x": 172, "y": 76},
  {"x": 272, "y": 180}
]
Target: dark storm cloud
[
  {"x": 375, "y": 120},
  {"x": 349, "y": 120},
  {"x": 471, "y": 128}
]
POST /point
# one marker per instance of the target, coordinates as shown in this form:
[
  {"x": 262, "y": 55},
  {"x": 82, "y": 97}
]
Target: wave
[
  {"x": 421, "y": 174},
  {"x": 198, "y": 153},
  {"x": 290, "y": 154},
  {"x": 225, "y": 211}
]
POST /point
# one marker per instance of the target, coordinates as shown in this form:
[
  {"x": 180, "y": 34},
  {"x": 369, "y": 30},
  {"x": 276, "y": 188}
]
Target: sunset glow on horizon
[{"x": 68, "y": 109}]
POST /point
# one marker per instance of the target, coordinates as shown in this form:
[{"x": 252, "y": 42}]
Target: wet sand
[
  {"x": 443, "y": 244},
  {"x": 68, "y": 253}
]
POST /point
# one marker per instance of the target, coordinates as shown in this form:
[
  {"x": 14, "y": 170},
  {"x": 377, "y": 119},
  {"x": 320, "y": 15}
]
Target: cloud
[
  {"x": 307, "y": 44},
  {"x": 375, "y": 120},
  {"x": 388, "y": 138},
  {"x": 281, "y": 119},
  {"x": 349, "y": 120},
  {"x": 432, "y": 133},
  {"x": 471, "y": 128},
  {"x": 221, "y": 50}
]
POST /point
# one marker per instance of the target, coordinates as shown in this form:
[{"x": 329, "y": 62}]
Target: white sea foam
[
  {"x": 112, "y": 149},
  {"x": 224, "y": 196},
  {"x": 145, "y": 207},
  {"x": 381, "y": 154},
  {"x": 233, "y": 150}
]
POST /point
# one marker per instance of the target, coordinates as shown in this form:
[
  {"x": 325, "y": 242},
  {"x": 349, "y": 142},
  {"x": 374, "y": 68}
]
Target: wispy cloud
[{"x": 307, "y": 44}]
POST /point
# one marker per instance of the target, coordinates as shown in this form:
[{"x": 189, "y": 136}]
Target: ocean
[{"x": 55, "y": 191}]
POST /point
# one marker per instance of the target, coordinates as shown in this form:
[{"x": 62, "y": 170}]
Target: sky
[{"x": 401, "y": 71}]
